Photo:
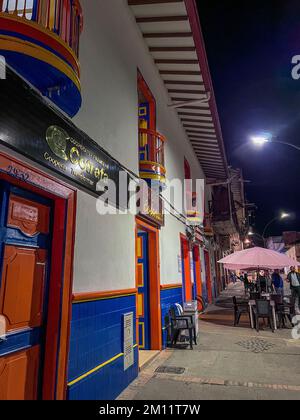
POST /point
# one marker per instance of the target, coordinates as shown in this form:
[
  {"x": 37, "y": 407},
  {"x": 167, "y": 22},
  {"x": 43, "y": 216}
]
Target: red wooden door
[
  {"x": 24, "y": 244},
  {"x": 186, "y": 270},
  {"x": 197, "y": 271},
  {"x": 208, "y": 276}
]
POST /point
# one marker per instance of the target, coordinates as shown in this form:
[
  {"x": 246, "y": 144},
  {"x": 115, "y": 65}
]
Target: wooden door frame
[
  {"x": 25, "y": 176},
  {"x": 208, "y": 275},
  {"x": 187, "y": 280},
  {"x": 197, "y": 270},
  {"x": 154, "y": 282}
]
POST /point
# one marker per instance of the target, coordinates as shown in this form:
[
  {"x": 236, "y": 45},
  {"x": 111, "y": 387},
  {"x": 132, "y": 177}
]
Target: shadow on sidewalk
[
  {"x": 221, "y": 313},
  {"x": 224, "y": 317}
]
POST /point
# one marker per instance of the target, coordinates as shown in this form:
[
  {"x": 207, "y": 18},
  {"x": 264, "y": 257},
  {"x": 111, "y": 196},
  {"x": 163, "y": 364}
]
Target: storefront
[
  {"x": 95, "y": 289},
  {"x": 38, "y": 227}
]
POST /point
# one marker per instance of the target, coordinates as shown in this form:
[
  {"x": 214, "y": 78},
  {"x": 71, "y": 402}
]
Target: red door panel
[
  {"x": 197, "y": 270},
  {"x": 186, "y": 270},
  {"x": 25, "y": 243},
  {"x": 208, "y": 276},
  {"x": 18, "y": 375},
  {"x": 28, "y": 216},
  {"x": 22, "y": 290}
]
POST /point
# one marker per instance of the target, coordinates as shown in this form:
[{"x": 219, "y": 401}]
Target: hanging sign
[{"x": 31, "y": 127}]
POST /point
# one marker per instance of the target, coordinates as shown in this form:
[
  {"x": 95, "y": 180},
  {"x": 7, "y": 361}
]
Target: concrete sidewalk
[{"x": 228, "y": 363}]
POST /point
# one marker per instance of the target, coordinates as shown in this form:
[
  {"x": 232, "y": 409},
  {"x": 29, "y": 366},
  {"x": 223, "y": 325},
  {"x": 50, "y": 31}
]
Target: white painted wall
[
  {"x": 112, "y": 49},
  {"x": 105, "y": 249}
]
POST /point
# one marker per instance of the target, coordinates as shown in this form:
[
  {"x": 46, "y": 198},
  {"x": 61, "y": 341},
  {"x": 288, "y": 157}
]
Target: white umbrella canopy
[{"x": 257, "y": 258}]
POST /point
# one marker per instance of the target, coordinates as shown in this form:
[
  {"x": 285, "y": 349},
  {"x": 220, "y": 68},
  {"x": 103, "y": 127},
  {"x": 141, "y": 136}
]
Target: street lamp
[
  {"x": 282, "y": 216},
  {"x": 262, "y": 139}
]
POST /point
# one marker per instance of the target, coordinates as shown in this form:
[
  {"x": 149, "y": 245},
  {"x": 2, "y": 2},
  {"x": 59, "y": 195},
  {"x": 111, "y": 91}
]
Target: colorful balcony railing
[
  {"x": 152, "y": 156},
  {"x": 193, "y": 213},
  {"x": 40, "y": 40}
]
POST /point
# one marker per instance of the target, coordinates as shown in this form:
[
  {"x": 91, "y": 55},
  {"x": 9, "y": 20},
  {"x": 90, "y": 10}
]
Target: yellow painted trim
[
  {"x": 24, "y": 47},
  {"x": 102, "y": 298},
  {"x": 166, "y": 287},
  {"x": 140, "y": 305},
  {"x": 142, "y": 346},
  {"x": 85, "y": 375},
  {"x": 139, "y": 248},
  {"x": 152, "y": 176},
  {"x": 150, "y": 162},
  {"x": 40, "y": 28}
]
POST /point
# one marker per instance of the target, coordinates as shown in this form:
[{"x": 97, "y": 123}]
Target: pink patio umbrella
[{"x": 257, "y": 258}]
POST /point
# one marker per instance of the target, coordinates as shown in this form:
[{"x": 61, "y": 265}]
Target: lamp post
[
  {"x": 282, "y": 216},
  {"x": 251, "y": 233},
  {"x": 267, "y": 138}
]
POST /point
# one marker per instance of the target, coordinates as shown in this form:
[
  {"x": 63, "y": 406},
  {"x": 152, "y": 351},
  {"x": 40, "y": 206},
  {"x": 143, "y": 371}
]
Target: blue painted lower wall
[
  {"x": 96, "y": 339},
  {"x": 168, "y": 298}
]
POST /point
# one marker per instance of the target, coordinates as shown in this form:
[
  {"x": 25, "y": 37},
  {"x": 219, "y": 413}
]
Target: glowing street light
[
  {"x": 264, "y": 138},
  {"x": 260, "y": 140},
  {"x": 250, "y": 233},
  {"x": 284, "y": 215}
]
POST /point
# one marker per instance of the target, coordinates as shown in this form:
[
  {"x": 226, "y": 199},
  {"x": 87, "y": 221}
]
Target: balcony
[
  {"x": 40, "y": 40},
  {"x": 208, "y": 227},
  {"x": 152, "y": 156},
  {"x": 222, "y": 208},
  {"x": 193, "y": 213}
]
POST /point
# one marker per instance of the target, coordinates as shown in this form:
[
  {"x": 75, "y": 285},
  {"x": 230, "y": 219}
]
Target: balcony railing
[
  {"x": 152, "y": 155},
  {"x": 40, "y": 40},
  {"x": 193, "y": 213},
  {"x": 63, "y": 17}
]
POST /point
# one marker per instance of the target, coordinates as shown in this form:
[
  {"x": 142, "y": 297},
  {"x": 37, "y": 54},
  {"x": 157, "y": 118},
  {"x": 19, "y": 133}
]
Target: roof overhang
[{"x": 172, "y": 32}]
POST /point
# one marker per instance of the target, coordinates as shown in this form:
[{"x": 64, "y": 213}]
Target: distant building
[
  {"x": 276, "y": 243},
  {"x": 292, "y": 242},
  {"x": 288, "y": 243}
]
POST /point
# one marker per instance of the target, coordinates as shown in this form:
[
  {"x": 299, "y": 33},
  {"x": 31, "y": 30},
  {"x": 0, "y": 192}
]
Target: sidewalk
[{"x": 228, "y": 363}]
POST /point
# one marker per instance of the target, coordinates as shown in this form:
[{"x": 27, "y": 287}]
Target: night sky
[{"x": 250, "y": 46}]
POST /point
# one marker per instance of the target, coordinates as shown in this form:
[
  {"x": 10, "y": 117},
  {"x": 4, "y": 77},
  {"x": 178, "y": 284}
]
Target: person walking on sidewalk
[{"x": 294, "y": 279}]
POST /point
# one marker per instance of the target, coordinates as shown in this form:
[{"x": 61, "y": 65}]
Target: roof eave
[{"x": 193, "y": 15}]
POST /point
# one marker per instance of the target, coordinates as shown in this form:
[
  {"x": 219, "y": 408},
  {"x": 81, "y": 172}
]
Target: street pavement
[{"x": 229, "y": 363}]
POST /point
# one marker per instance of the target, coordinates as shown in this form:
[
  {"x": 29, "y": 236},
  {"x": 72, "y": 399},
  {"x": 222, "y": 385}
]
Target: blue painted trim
[
  {"x": 144, "y": 336},
  {"x": 97, "y": 337},
  {"x": 105, "y": 384},
  {"x": 20, "y": 340},
  {"x": 168, "y": 298},
  {"x": 42, "y": 75}
]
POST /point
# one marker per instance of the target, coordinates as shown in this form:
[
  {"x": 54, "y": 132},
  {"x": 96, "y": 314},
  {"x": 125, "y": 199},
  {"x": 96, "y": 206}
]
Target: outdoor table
[{"x": 273, "y": 305}]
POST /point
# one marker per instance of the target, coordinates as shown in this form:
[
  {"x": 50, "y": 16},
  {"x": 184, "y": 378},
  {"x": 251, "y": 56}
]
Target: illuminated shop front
[{"x": 81, "y": 107}]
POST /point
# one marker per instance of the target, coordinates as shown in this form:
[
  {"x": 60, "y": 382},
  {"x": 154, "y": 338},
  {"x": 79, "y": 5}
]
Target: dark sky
[{"x": 250, "y": 45}]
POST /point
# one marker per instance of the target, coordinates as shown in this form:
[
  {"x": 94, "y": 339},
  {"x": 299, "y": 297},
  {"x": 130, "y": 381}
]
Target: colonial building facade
[{"x": 95, "y": 89}]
